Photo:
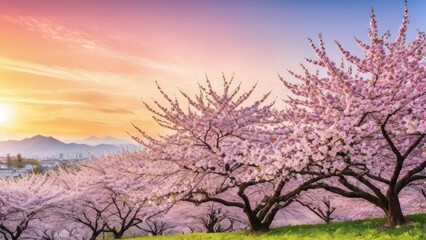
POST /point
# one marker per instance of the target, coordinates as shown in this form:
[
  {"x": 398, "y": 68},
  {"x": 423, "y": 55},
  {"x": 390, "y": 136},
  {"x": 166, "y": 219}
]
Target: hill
[{"x": 354, "y": 230}]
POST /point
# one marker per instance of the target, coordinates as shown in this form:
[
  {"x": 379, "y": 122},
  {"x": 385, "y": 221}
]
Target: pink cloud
[{"x": 85, "y": 42}]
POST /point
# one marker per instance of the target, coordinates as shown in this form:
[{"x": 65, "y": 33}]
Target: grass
[{"x": 353, "y": 230}]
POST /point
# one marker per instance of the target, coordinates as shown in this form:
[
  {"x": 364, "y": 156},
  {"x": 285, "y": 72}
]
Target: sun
[{"x": 6, "y": 113}]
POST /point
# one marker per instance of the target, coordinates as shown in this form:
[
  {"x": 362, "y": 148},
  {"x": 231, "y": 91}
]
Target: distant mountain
[
  {"x": 122, "y": 144},
  {"x": 42, "y": 146},
  {"x": 93, "y": 141}
]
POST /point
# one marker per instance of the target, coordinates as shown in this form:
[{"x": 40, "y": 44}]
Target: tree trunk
[
  {"x": 394, "y": 216},
  {"x": 258, "y": 228},
  {"x": 17, "y": 235},
  {"x": 255, "y": 224},
  {"x": 118, "y": 235},
  {"x": 95, "y": 235}
]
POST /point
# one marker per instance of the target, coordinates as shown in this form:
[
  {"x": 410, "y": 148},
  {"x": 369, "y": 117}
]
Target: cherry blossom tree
[
  {"x": 323, "y": 207},
  {"x": 124, "y": 215},
  {"x": 60, "y": 229},
  {"x": 154, "y": 227},
  {"x": 25, "y": 203},
  {"x": 98, "y": 209},
  {"x": 365, "y": 119},
  {"x": 218, "y": 219},
  {"x": 89, "y": 209},
  {"x": 223, "y": 149}
]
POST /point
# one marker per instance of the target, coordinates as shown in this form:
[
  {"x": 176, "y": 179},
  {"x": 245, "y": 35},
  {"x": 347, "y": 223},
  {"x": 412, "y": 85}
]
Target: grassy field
[{"x": 362, "y": 229}]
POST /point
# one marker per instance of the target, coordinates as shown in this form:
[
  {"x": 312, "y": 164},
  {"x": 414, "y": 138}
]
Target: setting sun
[{"x": 5, "y": 113}]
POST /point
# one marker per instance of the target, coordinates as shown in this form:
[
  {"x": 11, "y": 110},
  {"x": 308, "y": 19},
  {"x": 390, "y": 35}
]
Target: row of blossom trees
[
  {"x": 69, "y": 204},
  {"x": 355, "y": 129},
  {"x": 92, "y": 202},
  {"x": 55, "y": 206}
]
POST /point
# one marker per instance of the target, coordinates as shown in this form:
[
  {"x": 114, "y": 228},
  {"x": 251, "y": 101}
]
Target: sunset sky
[{"x": 73, "y": 69}]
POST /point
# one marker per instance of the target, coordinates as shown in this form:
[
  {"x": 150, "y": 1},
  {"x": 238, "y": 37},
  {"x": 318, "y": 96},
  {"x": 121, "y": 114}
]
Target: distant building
[
  {"x": 14, "y": 172},
  {"x": 9, "y": 173},
  {"x": 50, "y": 163}
]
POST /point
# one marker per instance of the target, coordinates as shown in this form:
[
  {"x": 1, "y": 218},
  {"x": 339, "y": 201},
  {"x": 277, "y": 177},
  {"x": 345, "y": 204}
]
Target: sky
[{"x": 73, "y": 69}]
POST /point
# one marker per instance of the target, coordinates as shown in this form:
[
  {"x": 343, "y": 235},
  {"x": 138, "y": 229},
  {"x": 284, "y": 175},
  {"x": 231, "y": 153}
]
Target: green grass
[{"x": 351, "y": 230}]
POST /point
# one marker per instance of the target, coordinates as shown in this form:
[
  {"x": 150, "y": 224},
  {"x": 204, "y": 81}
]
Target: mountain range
[
  {"x": 93, "y": 141},
  {"x": 40, "y": 145}
]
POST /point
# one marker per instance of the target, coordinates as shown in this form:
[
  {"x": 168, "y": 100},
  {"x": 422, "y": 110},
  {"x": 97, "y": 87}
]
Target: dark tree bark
[
  {"x": 324, "y": 212},
  {"x": 127, "y": 215},
  {"x": 372, "y": 184},
  {"x": 155, "y": 227},
  {"x": 216, "y": 220},
  {"x": 95, "y": 223},
  {"x": 15, "y": 234},
  {"x": 394, "y": 215},
  {"x": 262, "y": 215}
]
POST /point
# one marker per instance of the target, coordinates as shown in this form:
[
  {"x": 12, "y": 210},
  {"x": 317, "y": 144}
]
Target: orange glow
[{"x": 6, "y": 113}]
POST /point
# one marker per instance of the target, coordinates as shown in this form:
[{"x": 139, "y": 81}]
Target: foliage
[
  {"x": 224, "y": 149},
  {"x": 96, "y": 208},
  {"x": 26, "y": 203}
]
